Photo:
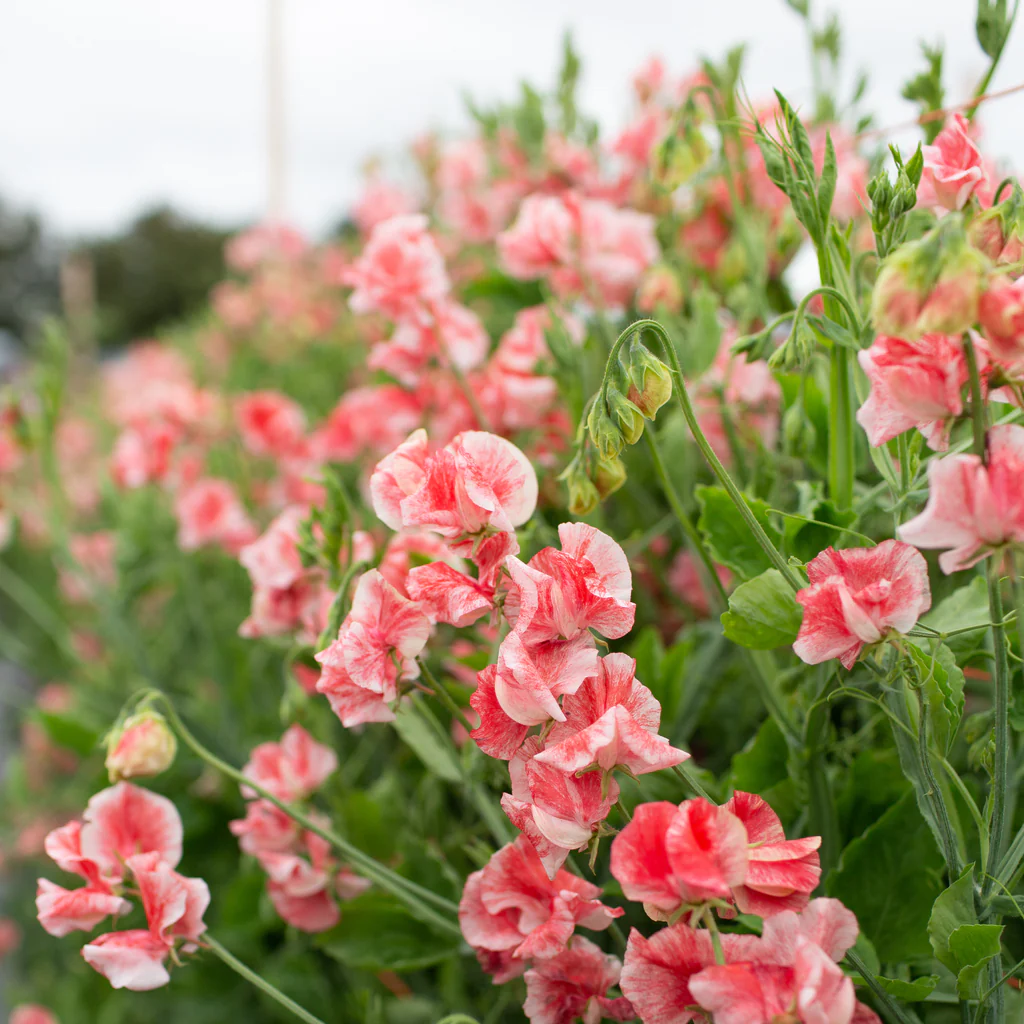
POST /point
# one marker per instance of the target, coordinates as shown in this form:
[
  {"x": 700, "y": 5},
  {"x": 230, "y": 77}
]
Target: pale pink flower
[
  {"x": 574, "y": 985},
  {"x": 209, "y": 511},
  {"x": 132, "y": 959},
  {"x": 143, "y": 745},
  {"x": 273, "y": 560},
  {"x": 32, "y": 1013},
  {"x": 379, "y": 201},
  {"x": 400, "y": 271},
  {"x": 270, "y": 423},
  {"x": 540, "y": 240},
  {"x": 1001, "y": 315},
  {"x": 265, "y": 243},
  {"x": 291, "y": 769},
  {"x": 913, "y": 384},
  {"x": 974, "y": 507},
  {"x": 142, "y": 454},
  {"x": 856, "y": 596},
  {"x": 447, "y": 595},
  {"x": 953, "y": 164},
  {"x": 95, "y": 570},
  {"x": 462, "y": 165}
]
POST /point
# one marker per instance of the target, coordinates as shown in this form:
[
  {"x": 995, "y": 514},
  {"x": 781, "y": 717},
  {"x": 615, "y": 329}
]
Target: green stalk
[
  {"x": 415, "y": 897},
  {"x": 210, "y": 943},
  {"x": 880, "y": 994},
  {"x": 1001, "y": 699},
  {"x": 842, "y": 411},
  {"x": 977, "y": 403},
  {"x": 442, "y": 694}
]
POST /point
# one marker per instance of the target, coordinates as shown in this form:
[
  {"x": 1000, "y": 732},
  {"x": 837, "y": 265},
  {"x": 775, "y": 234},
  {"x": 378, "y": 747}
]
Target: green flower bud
[
  {"x": 607, "y": 437},
  {"x": 650, "y": 380},
  {"x": 583, "y": 495},
  {"x": 609, "y": 476},
  {"x": 628, "y": 416}
]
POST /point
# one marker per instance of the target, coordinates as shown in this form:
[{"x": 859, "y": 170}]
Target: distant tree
[
  {"x": 158, "y": 271},
  {"x": 29, "y": 272}
]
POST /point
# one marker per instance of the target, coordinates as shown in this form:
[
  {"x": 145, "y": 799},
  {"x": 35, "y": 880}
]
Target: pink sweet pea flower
[
  {"x": 264, "y": 243},
  {"x": 574, "y": 985},
  {"x": 856, "y": 596},
  {"x": 380, "y": 201},
  {"x": 540, "y": 240},
  {"x": 270, "y": 423},
  {"x": 381, "y": 626},
  {"x": 953, "y": 164},
  {"x": 62, "y": 911},
  {"x": 399, "y": 272},
  {"x": 32, "y": 1013},
  {"x": 142, "y": 454},
  {"x": 611, "y": 721},
  {"x": 293, "y": 768},
  {"x": 669, "y": 857},
  {"x": 497, "y": 735},
  {"x": 174, "y": 904},
  {"x": 973, "y": 507},
  {"x": 563, "y": 594},
  {"x": 447, "y": 595},
  {"x": 913, "y": 384},
  {"x": 210, "y": 512},
  {"x": 1001, "y": 315},
  {"x": 511, "y": 906},
  {"x": 131, "y": 959},
  {"x": 273, "y": 559}
]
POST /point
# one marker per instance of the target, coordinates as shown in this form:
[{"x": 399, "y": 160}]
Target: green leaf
[
  {"x": 70, "y": 732},
  {"x": 763, "y": 762},
  {"x": 728, "y": 537},
  {"x": 953, "y": 909},
  {"x": 763, "y": 613},
  {"x": 870, "y": 786},
  {"x": 909, "y": 991},
  {"x": 827, "y": 182},
  {"x": 973, "y": 946},
  {"x": 889, "y": 877},
  {"x": 704, "y": 337},
  {"x": 377, "y": 934},
  {"x": 431, "y": 748},
  {"x": 965, "y": 607},
  {"x": 806, "y": 539},
  {"x": 942, "y": 686}
]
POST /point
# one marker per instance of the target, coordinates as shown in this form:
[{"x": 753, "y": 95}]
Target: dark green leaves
[
  {"x": 941, "y": 683},
  {"x": 808, "y": 533},
  {"x": 728, "y": 536},
  {"x": 909, "y": 991},
  {"x": 763, "y": 613},
  {"x": 377, "y": 934},
  {"x": 431, "y": 746},
  {"x": 889, "y": 877}
]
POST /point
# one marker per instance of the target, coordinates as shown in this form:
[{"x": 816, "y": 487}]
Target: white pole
[{"x": 276, "y": 142}]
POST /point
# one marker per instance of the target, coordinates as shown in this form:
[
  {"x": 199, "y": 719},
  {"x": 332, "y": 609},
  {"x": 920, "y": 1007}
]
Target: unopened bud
[
  {"x": 629, "y": 418},
  {"x": 604, "y": 432},
  {"x": 650, "y": 381},
  {"x": 142, "y": 745},
  {"x": 583, "y": 495},
  {"x": 609, "y": 476}
]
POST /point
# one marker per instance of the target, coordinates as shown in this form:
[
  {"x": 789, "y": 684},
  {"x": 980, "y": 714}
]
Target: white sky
[{"x": 108, "y": 105}]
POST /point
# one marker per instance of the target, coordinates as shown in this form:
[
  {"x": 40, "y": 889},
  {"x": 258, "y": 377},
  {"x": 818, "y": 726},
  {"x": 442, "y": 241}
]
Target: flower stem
[
  {"x": 442, "y": 694},
  {"x": 977, "y": 404},
  {"x": 210, "y": 943},
  {"x": 684, "y": 773},
  {"x": 415, "y": 897},
  {"x": 880, "y": 994}
]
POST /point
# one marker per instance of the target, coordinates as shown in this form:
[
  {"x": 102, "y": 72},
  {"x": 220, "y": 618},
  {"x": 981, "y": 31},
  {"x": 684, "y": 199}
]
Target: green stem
[
  {"x": 977, "y": 404},
  {"x": 1001, "y": 696},
  {"x": 823, "y": 815},
  {"x": 414, "y": 896},
  {"x": 337, "y": 609},
  {"x": 686, "y": 406},
  {"x": 842, "y": 407},
  {"x": 442, "y": 694},
  {"x": 210, "y": 943},
  {"x": 880, "y": 994},
  {"x": 684, "y": 773}
]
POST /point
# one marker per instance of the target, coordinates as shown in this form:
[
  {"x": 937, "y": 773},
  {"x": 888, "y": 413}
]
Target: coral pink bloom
[
  {"x": 973, "y": 507},
  {"x": 586, "y": 585},
  {"x": 264, "y": 243},
  {"x": 447, "y": 595},
  {"x": 612, "y": 720},
  {"x": 62, "y": 911},
  {"x": 124, "y": 820},
  {"x": 781, "y": 873},
  {"x": 142, "y": 454},
  {"x": 31, "y": 1013},
  {"x": 825, "y": 922},
  {"x": 382, "y": 627},
  {"x": 575, "y": 984},
  {"x": 413, "y": 548},
  {"x": 540, "y": 240},
  {"x": 210, "y": 512},
  {"x": 399, "y": 272},
  {"x": 531, "y": 677},
  {"x": 372, "y": 419},
  {"x": 512, "y": 905},
  {"x": 313, "y": 912},
  {"x": 913, "y": 384},
  {"x": 132, "y": 959},
  {"x": 1001, "y": 315},
  {"x": 273, "y": 560},
  {"x": 856, "y": 596},
  {"x": 953, "y": 164},
  {"x": 293, "y": 768},
  {"x": 380, "y": 201},
  {"x": 265, "y": 828},
  {"x": 557, "y": 811},
  {"x": 270, "y": 423},
  {"x": 812, "y": 990},
  {"x": 174, "y": 904},
  {"x": 353, "y": 704},
  {"x": 497, "y": 735}
]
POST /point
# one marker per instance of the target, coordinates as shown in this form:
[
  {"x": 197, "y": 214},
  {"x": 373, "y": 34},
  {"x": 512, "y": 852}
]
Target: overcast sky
[{"x": 109, "y": 105}]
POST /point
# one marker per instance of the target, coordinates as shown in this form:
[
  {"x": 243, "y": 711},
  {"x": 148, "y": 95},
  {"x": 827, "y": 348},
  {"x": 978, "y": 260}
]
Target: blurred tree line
[{"x": 159, "y": 269}]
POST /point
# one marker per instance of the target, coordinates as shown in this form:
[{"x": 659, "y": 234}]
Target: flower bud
[
  {"x": 798, "y": 434},
  {"x": 1001, "y": 313},
  {"x": 607, "y": 437},
  {"x": 929, "y": 285},
  {"x": 660, "y": 289},
  {"x": 142, "y": 745},
  {"x": 680, "y": 155},
  {"x": 609, "y": 476},
  {"x": 628, "y": 416},
  {"x": 999, "y": 231},
  {"x": 650, "y": 381},
  {"x": 583, "y": 495}
]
